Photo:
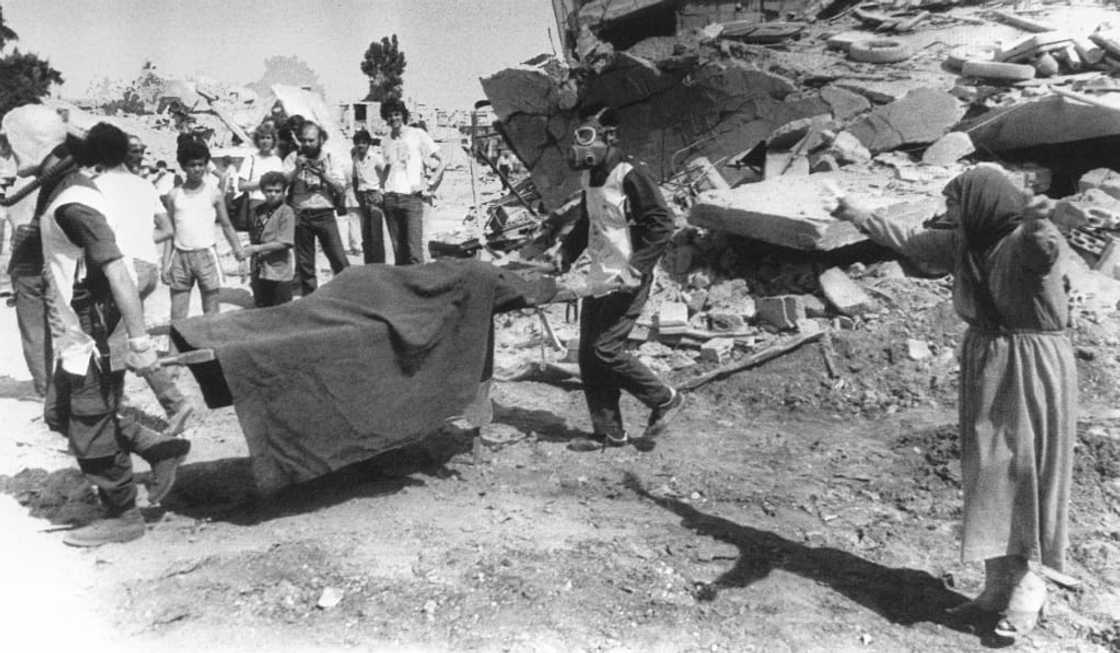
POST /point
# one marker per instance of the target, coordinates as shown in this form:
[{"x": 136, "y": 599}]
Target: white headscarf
[{"x": 33, "y": 130}]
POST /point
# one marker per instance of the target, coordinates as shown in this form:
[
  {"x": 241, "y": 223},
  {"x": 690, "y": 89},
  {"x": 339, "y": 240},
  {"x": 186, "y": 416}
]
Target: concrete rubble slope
[{"x": 695, "y": 94}]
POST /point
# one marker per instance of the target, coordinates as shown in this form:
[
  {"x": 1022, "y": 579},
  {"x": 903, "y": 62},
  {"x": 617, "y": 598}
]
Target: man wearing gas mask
[{"x": 624, "y": 226}]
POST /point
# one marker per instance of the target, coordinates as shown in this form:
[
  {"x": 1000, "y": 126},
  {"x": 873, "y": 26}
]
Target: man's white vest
[
  {"x": 65, "y": 264},
  {"x": 608, "y": 235}
]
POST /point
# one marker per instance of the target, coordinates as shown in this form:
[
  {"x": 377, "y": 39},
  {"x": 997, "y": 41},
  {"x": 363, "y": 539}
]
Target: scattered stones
[
  {"x": 846, "y": 148},
  {"x": 783, "y": 311},
  {"x": 1104, "y": 179},
  {"x": 726, "y": 321},
  {"x": 699, "y": 280},
  {"x": 949, "y": 149},
  {"x": 843, "y": 293},
  {"x": 330, "y": 597},
  {"x": 716, "y": 350},
  {"x": 814, "y": 306},
  {"x": 918, "y": 350},
  {"x": 672, "y": 318}
]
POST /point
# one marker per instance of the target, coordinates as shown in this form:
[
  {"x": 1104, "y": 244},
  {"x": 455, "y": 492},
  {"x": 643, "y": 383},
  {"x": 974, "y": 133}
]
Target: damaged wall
[{"x": 716, "y": 109}]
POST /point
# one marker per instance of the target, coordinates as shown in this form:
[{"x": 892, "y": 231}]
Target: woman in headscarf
[{"x": 1018, "y": 381}]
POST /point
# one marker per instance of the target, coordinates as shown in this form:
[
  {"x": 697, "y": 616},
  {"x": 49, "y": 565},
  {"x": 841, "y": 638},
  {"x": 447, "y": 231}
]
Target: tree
[
  {"x": 384, "y": 65},
  {"x": 6, "y": 33},
  {"x": 286, "y": 70},
  {"x": 24, "y": 77}
]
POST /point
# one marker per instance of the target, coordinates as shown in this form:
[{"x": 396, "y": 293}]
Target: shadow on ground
[
  {"x": 225, "y": 490},
  {"x": 902, "y": 596},
  {"x": 547, "y": 426}
]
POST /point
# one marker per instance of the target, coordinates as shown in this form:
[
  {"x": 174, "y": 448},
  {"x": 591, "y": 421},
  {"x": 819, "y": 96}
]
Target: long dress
[{"x": 1018, "y": 388}]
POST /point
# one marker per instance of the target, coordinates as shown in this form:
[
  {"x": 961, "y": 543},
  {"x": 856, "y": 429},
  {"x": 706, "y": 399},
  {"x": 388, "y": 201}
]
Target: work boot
[
  {"x": 659, "y": 419},
  {"x": 163, "y": 455},
  {"x": 127, "y": 526}
]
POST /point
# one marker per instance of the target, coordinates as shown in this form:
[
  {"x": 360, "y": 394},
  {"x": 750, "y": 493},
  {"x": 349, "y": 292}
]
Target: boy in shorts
[
  {"x": 272, "y": 232},
  {"x": 193, "y": 208}
]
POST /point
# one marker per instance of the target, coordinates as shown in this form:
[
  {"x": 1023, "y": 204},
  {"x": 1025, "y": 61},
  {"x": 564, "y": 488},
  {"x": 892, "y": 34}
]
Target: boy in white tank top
[{"x": 193, "y": 208}]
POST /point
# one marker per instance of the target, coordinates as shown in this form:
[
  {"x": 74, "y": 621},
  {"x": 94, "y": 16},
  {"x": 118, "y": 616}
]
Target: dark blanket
[{"x": 373, "y": 360}]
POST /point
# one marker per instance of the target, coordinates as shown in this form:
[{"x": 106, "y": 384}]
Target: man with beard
[{"x": 315, "y": 180}]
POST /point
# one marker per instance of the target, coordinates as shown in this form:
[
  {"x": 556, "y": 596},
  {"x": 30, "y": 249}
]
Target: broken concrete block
[
  {"x": 1094, "y": 208},
  {"x": 809, "y": 326},
  {"x": 696, "y": 300},
  {"x": 1030, "y": 46},
  {"x": 1045, "y": 66},
  {"x": 848, "y": 149},
  {"x": 845, "y": 104},
  {"x": 716, "y": 350},
  {"x": 782, "y": 311},
  {"x": 823, "y": 163},
  {"x": 922, "y": 116},
  {"x": 918, "y": 350},
  {"x": 814, "y": 307},
  {"x": 1110, "y": 258},
  {"x": 844, "y": 40},
  {"x": 789, "y": 134},
  {"x": 843, "y": 293},
  {"x": 699, "y": 280},
  {"x": 948, "y": 149},
  {"x": 1109, "y": 41},
  {"x": 843, "y": 323},
  {"x": 672, "y": 318},
  {"x": 721, "y": 321},
  {"x": 710, "y": 177},
  {"x": 788, "y": 211},
  {"x": 640, "y": 333},
  {"x": 1045, "y": 121},
  {"x": 1105, "y": 179}
]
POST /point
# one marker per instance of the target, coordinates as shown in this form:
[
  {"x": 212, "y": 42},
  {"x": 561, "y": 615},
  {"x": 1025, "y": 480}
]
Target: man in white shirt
[
  {"x": 139, "y": 219},
  {"x": 407, "y": 150}
]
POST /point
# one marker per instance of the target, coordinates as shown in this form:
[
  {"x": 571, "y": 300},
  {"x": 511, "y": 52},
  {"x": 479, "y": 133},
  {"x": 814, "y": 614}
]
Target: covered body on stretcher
[{"x": 375, "y": 360}]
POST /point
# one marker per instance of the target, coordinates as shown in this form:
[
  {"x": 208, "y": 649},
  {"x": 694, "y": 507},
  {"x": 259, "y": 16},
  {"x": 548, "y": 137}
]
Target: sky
[{"x": 448, "y": 44}]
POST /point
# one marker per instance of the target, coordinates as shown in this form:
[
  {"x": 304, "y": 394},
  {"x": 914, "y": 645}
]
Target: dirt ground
[{"x": 786, "y": 510}]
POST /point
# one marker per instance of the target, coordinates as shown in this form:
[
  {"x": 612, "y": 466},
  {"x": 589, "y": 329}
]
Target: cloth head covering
[
  {"x": 991, "y": 206},
  {"x": 33, "y": 130}
]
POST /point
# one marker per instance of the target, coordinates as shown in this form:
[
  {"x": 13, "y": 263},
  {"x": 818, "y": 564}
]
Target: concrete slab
[
  {"x": 843, "y": 293},
  {"x": 922, "y": 116}
]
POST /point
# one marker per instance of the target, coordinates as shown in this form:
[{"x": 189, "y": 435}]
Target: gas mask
[{"x": 590, "y": 145}]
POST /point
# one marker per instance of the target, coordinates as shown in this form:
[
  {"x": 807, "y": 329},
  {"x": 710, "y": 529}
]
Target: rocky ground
[{"x": 789, "y": 509}]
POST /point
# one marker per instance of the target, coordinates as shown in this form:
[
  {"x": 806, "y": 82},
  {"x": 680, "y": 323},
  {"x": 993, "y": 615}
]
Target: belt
[
  {"x": 416, "y": 194},
  {"x": 314, "y": 212}
]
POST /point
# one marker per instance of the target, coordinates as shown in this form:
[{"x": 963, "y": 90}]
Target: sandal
[{"x": 1025, "y": 607}]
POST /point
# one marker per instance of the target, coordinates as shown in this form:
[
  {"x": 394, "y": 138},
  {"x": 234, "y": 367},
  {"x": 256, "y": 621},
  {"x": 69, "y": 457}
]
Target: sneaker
[
  {"x": 597, "y": 442},
  {"x": 124, "y": 528},
  {"x": 659, "y": 419},
  {"x": 164, "y": 459}
]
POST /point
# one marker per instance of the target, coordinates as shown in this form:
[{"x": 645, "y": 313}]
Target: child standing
[
  {"x": 193, "y": 208},
  {"x": 271, "y": 236}
]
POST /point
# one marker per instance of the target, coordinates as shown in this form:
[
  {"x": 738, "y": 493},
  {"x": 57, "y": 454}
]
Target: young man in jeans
[
  {"x": 406, "y": 151},
  {"x": 315, "y": 180},
  {"x": 625, "y": 227}
]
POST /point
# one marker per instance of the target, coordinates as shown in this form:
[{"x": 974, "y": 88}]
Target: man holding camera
[{"x": 316, "y": 181}]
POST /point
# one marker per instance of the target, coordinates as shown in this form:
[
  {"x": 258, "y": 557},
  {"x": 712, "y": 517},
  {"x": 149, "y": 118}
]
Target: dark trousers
[
  {"x": 373, "y": 237},
  {"x": 312, "y": 224},
  {"x": 404, "y": 216},
  {"x": 270, "y": 293},
  {"x": 35, "y": 336},
  {"x": 84, "y": 409},
  {"x": 605, "y": 364}
]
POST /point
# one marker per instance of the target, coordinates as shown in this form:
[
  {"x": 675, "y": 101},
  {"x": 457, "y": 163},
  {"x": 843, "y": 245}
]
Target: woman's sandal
[{"x": 1028, "y": 599}]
